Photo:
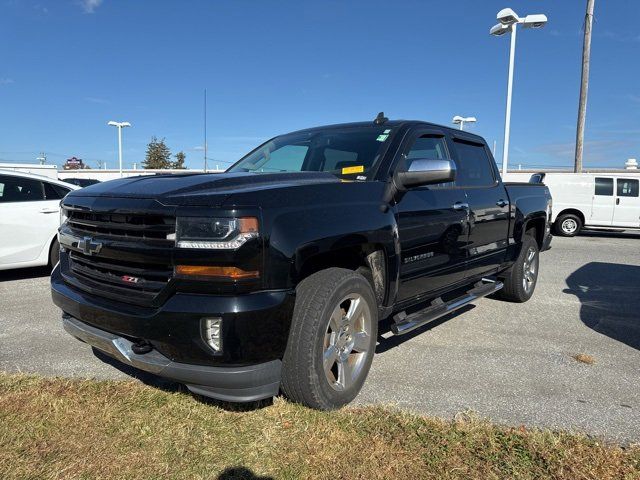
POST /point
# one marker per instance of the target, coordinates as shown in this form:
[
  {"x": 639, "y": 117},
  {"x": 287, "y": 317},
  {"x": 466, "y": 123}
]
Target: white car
[
  {"x": 29, "y": 219},
  {"x": 609, "y": 201}
]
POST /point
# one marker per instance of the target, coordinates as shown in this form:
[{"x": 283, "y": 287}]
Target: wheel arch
[
  {"x": 538, "y": 226},
  {"x": 573, "y": 211},
  {"x": 369, "y": 256}
]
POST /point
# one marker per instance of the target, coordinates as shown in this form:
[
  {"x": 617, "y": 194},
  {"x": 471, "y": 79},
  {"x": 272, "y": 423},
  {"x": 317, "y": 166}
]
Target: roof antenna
[{"x": 380, "y": 119}]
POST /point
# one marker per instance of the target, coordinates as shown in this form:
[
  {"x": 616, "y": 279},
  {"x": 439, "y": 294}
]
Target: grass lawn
[{"x": 58, "y": 428}]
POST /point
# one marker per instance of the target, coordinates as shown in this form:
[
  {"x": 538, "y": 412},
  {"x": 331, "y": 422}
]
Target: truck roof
[{"x": 391, "y": 124}]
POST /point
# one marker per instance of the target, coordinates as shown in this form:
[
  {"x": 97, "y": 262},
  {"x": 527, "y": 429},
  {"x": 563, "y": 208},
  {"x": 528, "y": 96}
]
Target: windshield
[{"x": 341, "y": 151}]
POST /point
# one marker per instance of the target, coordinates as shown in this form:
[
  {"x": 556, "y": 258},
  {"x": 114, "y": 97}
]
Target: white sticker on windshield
[{"x": 383, "y": 137}]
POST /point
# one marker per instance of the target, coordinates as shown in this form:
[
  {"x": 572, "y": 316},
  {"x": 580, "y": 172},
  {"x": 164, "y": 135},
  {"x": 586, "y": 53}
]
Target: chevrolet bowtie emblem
[{"x": 88, "y": 246}]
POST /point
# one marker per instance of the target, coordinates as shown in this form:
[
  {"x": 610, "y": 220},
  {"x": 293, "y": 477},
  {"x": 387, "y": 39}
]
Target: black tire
[
  {"x": 567, "y": 225},
  {"x": 318, "y": 304},
  {"x": 54, "y": 253},
  {"x": 516, "y": 287}
]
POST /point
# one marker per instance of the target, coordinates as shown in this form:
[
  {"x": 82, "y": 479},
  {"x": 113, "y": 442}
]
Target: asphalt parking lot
[{"x": 512, "y": 363}]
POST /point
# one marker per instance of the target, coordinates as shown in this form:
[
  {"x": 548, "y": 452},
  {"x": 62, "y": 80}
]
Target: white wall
[
  {"x": 517, "y": 177},
  {"x": 104, "y": 175},
  {"x": 50, "y": 171}
]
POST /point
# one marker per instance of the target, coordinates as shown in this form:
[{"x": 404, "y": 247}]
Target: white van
[
  {"x": 29, "y": 219},
  {"x": 608, "y": 201}
]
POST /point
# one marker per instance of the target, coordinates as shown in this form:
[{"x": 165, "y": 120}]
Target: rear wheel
[
  {"x": 568, "y": 225},
  {"x": 332, "y": 339},
  {"x": 521, "y": 278},
  {"x": 54, "y": 253}
]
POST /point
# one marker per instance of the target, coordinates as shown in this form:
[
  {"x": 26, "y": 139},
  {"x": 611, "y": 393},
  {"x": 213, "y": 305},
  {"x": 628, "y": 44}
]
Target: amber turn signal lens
[
  {"x": 232, "y": 273},
  {"x": 247, "y": 224}
]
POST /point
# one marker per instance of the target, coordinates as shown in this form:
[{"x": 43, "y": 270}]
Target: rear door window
[
  {"x": 20, "y": 189},
  {"x": 604, "y": 186},
  {"x": 627, "y": 187},
  {"x": 474, "y": 165}
]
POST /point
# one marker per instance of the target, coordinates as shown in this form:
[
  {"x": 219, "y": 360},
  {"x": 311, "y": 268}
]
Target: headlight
[
  {"x": 215, "y": 233},
  {"x": 63, "y": 215}
]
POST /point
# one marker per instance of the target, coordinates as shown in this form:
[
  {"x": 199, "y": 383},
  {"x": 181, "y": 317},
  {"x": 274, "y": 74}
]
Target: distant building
[{"x": 74, "y": 163}]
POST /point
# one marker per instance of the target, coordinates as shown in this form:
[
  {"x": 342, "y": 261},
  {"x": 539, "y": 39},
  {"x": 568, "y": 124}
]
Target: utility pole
[
  {"x": 42, "y": 158},
  {"x": 584, "y": 85},
  {"x": 205, "y": 130}
]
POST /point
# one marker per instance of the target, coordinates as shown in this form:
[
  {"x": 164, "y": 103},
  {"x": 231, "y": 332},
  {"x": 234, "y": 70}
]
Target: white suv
[{"x": 29, "y": 219}]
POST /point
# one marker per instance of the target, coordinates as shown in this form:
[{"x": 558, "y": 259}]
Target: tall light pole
[
  {"x": 508, "y": 21},
  {"x": 584, "y": 85},
  {"x": 120, "y": 126},
  {"x": 458, "y": 120}
]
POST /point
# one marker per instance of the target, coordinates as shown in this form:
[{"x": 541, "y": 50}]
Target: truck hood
[{"x": 203, "y": 189}]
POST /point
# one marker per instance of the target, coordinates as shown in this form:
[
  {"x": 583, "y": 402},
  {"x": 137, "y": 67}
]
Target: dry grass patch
[
  {"x": 55, "y": 428},
  {"x": 584, "y": 358}
]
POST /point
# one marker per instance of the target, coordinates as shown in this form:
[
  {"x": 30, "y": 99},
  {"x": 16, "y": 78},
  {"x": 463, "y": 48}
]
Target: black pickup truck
[{"x": 272, "y": 277}]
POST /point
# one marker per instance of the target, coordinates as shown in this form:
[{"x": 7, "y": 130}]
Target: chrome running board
[{"x": 403, "y": 323}]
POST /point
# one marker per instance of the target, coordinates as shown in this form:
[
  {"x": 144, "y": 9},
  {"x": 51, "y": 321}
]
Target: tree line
[{"x": 159, "y": 156}]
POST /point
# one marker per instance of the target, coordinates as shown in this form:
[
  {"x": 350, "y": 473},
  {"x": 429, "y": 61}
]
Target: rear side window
[
  {"x": 627, "y": 187},
  {"x": 474, "y": 165},
  {"x": 20, "y": 189},
  {"x": 54, "y": 192},
  {"x": 604, "y": 186}
]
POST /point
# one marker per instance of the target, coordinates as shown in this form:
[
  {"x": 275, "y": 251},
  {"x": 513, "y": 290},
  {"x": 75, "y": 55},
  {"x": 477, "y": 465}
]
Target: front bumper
[
  {"x": 255, "y": 330},
  {"x": 235, "y": 384}
]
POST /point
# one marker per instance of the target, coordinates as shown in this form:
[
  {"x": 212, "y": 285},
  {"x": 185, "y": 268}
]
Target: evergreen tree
[
  {"x": 158, "y": 155},
  {"x": 180, "y": 158}
]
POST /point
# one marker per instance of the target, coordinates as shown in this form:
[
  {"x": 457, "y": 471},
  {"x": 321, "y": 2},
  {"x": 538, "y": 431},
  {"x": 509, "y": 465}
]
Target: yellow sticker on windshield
[{"x": 356, "y": 169}]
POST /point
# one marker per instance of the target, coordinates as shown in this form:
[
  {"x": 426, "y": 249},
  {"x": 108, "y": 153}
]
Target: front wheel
[
  {"x": 521, "y": 278},
  {"x": 332, "y": 339}
]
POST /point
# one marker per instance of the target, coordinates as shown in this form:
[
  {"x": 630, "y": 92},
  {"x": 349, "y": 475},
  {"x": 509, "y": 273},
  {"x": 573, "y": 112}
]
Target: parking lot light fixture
[
  {"x": 508, "y": 21},
  {"x": 458, "y": 120},
  {"x": 120, "y": 126}
]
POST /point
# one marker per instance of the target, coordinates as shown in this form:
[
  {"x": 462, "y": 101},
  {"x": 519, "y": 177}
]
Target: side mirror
[
  {"x": 421, "y": 172},
  {"x": 425, "y": 172}
]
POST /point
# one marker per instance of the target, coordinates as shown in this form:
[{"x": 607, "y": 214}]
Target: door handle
[
  {"x": 49, "y": 210},
  {"x": 501, "y": 203},
  {"x": 460, "y": 206},
  {"x": 617, "y": 201}
]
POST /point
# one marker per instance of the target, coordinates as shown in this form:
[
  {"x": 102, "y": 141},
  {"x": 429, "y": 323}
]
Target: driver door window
[{"x": 429, "y": 147}]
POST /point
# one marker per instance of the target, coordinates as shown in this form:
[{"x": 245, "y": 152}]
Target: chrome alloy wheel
[
  {"x": 346, "y": 342},
  {"x": 530, "y": 270},
  {"x": 569, "y": 226}
]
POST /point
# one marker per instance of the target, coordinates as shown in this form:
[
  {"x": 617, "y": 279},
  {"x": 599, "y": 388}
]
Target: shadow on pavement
[
  {"x": 24, "y": 273},
  {"x": 608, "y": 293},
  {"x": 170, "y": 386}
]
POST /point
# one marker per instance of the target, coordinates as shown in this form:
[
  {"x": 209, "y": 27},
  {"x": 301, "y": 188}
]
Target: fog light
[{"x": 213, "y": 333}]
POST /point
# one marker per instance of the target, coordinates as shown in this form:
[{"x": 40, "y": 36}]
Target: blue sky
[{"x": 67, "y": 67}]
